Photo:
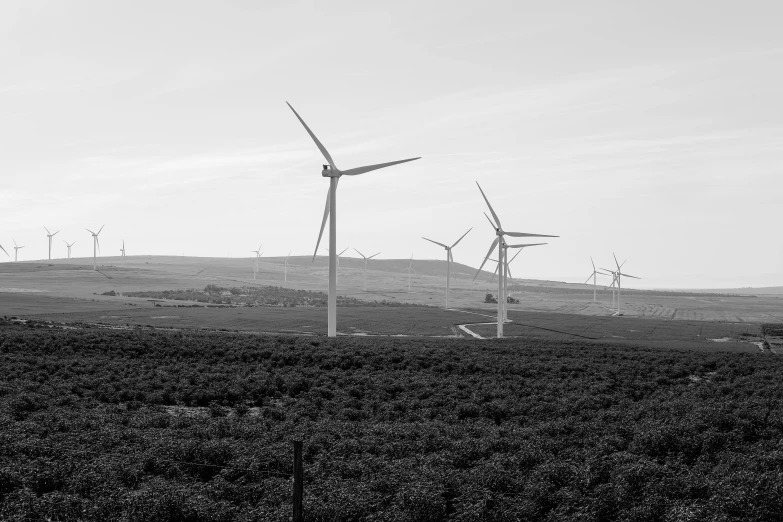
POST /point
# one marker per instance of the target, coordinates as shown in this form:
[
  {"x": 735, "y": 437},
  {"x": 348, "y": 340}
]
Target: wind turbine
[
  {"x": 593, "y": 275},
  {"x": 123, "y": 251},
  {"x": 500, "y": 242},
  {"x": 365, "y": 266},
  {"x": 258, "y": 254},
  {"x": 50, "y": 236},
  {"x": 95, "y": 247},
  {"x": 16, "y": 250},
  {"x": 69, "y": 247},
  {"x": 619, "y": 275},
  {"x": 333, "y": 173},
  {"x": 449, "y": 259},
  {"x": 285, "y": 269},
  {"x": 410, "y": 269}
]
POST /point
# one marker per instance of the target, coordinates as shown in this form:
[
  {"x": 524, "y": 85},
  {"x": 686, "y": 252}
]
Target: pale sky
[{"x": 651, "y": 129}]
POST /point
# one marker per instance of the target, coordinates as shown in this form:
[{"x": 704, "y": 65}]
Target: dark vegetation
[
  {"x": 257, "y": 296},
  {"x": 146, "y": 426}
]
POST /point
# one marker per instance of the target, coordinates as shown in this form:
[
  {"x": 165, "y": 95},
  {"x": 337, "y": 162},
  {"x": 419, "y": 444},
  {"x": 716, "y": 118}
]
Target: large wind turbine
[
  {"x": 258, "y": 255},
  {"x": 500, "y": 242},
  {"x": 593, "y": 275},
  {"x": 365, "y": 266},
  {"x": 95, "y": 247},
  {"x": 69, "y": 247},
  {"x": 50, "y": 236},
  {"x": 333, "y": 173},
  {"x": 449, "y": 259},
  {"x": 619, "y": 275},
  {"x": 16, "y": 250}
]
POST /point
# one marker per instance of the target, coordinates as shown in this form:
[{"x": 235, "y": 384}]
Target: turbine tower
[
  {"x": 365, "y": 266},
  {"x": 123, "y": 251},
  {"x": 619, "y": 275},
  {"x": 449, "y": 260},
  {"x": 500, "y": 242},
  {"x": 410, "y": 269},
  {"x": 95, "y": 247},
  {"x": 508, "y": 271},
  {"x": 69, "y": 247},
  {"x": 285, "y": 270},
  {"x": 50, "y": 236},
  {"x": 333, "y": 173},
  {"x": 16, "y": 250},
  {"x": 258, "y": 255}
]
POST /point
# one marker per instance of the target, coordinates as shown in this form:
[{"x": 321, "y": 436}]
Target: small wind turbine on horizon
[
  {"x": 285, "y": 269},
  {"x": 449, "y": 260},
  {"x": 333, "y": 173},
  {"x": 69, "y": 247},
  {"x": 50, "y": 236},
  {"x": 365, "y": 266},
  {"x": 500, "y": 242},
  {"x": 123, "y": 251},
  {"x": 96, "y": 246},
  {"x": 16, "y": 250},
  {"x": 619, "y": 275},
  {"x": 410, "y": 269},
  {"x": 258, "y": 255}
]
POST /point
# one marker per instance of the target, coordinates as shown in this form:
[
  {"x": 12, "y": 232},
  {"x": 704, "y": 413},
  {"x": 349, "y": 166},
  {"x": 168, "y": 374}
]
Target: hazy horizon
[{"x": 652, "y": 131}]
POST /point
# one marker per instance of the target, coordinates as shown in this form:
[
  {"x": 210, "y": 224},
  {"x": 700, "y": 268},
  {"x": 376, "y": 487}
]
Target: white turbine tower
[
  {"x": 50, "y": 236},
  {"x": 508, "y": 271},
  {"x": 123, "y": 251},
  {"x": 500, "y": 242},
  {"x": 258, "y": 255},
  {"x": 619, "y": 275},
  {"x": 95, "y": 247},
  {"x": 16, "y": 250},
  {"x": 449, "y": 260},
  {"x": 594, "y": 275},
  {"x": 69, "y": 247},
  {"x": 365, "y": 266},
  {"x": 333, "y": 173},
  {"x": 285, "y": 269}
]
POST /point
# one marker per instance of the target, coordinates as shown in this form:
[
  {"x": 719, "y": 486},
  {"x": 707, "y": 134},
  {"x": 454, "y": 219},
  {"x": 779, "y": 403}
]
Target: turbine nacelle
[{"x": 329, "y": 172}]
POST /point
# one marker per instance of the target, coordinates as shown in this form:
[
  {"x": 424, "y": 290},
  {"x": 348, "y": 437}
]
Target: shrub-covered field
[{"x": 139, "y": 425}]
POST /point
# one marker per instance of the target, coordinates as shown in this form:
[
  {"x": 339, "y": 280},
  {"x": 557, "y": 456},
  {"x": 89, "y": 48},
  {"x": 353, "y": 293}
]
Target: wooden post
[{"x": 298, "y": 481}]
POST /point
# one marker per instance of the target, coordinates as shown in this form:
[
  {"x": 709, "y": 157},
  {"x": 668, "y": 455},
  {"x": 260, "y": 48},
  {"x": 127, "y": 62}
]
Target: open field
[{"x": 152, "y": 425}]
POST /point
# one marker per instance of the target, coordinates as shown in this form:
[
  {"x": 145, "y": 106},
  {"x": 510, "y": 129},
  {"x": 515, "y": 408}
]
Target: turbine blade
[
  {"x": 431, "y": 241},
  {"x": 509, "y": 270},
  {"x": 47, "y": 231},
  {"x": 90, "y": 231},
  {"x": 588, "y": 279},
  {"x": 526, "y": 245},
  {"x": 497, "y": 220},
  {"x": 374, "y": 255},
  {"x": 615, "y": 262},
  {"x": 460, "y": 239},
  {"x": 627, "y": 275},
  {"x": 490, "y": 222},
  {"x": 326, "y": 215},
  {"x": 370, "y": 168},
  {"x": 524, "y": 234},
  {"x": 55, "y": 233},
  {"x": 491, "y": 248},
  {"x": 343, "y": 252},
  {"x": 591, "y": 261},
  {"x": 318, "y": 143},
  {"x": 515, "y": 256},
  {"x": 6, "y": 253},
  {"x": 360, "y": 254}
]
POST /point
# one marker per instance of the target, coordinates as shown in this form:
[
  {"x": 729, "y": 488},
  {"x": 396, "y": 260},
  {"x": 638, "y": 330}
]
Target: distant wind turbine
[
  {"x": 594, "y": 275},
  {"x": 16, "y": 250},
  {"x": 449, "y": 260},
  {"x": 123, "y": 251},
  {"x": 285, "y": 270},
  {"x": 50, "y": 236},
  {"x": 365, "y": 266},
  {"x": 410, "y": 269},
  {"x": 333, "y": 173},
  {"x": 500, "y": 242},
  {"x": 96, "y": 246},
  {"x": 258, "y": 255},
  {"x": 619, "y": 276},
  {"x": 69, "y": 247},
  {"x": 337, "y": 272}
]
